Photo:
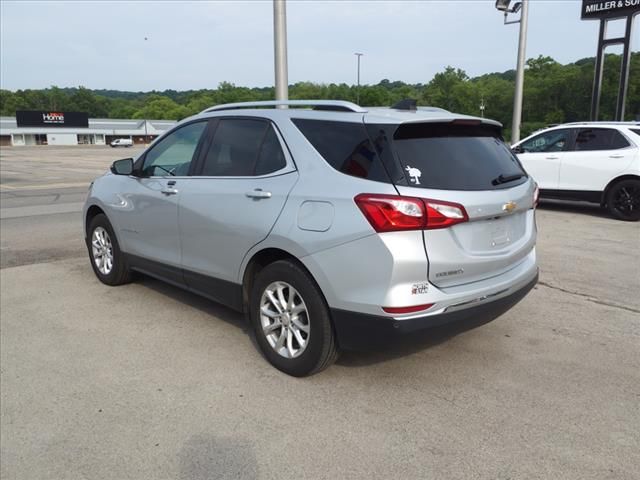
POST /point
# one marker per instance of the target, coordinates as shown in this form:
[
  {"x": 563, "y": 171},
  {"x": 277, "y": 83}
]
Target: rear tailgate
[
  {"x": 491, "y": 242},
  {"x": 467, "y": 163}
]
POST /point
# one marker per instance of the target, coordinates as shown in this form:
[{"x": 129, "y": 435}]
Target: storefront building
[{"x": 75, "y": 128}]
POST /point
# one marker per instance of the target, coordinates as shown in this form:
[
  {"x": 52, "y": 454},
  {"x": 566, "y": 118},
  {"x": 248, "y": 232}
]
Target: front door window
[
  {"x": 552, "y": 141},
  {"x": 173, "y": 154}
]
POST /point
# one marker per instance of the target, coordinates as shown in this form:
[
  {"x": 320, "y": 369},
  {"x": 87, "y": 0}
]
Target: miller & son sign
[{"x": 595, "y": 9}]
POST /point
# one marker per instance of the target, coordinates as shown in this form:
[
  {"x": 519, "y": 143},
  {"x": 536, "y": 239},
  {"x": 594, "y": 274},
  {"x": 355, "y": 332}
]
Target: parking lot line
[
  {"x": 44, "y": 186},
  {"x": 34, "y": 210}
]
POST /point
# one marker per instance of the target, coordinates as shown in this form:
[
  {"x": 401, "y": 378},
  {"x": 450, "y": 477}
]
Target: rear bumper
[{"x": 360, "y": 331}]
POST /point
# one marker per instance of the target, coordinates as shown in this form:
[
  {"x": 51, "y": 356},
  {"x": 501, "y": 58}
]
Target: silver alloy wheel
[
  {"x": 285, "y": 319},
  {"x": 102, "y": 250}
]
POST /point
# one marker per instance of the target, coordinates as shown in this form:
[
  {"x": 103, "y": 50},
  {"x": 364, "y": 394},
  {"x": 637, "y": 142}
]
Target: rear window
[
  {"x": 456, "y": 157},
  {"x": 345, "y": 146}
]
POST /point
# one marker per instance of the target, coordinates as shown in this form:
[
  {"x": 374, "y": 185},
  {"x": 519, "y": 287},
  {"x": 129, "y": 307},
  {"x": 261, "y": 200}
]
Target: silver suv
[{"x": 332, "y": 227}]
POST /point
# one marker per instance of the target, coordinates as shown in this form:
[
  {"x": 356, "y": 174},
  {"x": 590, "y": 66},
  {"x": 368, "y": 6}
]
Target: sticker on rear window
[{"x": 414, "y": 173}]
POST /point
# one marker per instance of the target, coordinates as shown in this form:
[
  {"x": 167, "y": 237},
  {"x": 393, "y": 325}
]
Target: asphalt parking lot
[{"x": 146, "y": 381}]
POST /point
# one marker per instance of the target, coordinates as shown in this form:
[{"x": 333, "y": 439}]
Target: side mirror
[
  {"x": 122, "y": 167},
  {"x": 517, "y": 149}
]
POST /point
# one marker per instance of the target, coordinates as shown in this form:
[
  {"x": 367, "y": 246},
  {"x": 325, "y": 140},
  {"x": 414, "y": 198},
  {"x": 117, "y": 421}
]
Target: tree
[
  {"x": 441, "y": 91},
  {"x": 553, "y": 93},
  {"x": 158, "y": 107}
]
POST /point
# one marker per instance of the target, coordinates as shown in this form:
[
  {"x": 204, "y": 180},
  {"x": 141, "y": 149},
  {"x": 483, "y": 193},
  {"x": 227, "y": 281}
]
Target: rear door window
[
  {"x": 271, "y": 157},
  {"x": 456, "y": 157},
  {"x": 594, "y": 139},
  {"x": 243, "y": 148}
]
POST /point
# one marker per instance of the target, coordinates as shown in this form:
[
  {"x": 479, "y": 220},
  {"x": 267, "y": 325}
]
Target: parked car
[
  {"x": 591, "y": 161},
  {"x": 122, "y": 142},
  {"x": 332, "y": 228}
]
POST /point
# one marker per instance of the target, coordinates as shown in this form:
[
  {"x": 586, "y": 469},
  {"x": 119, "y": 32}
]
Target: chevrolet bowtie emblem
[{"x": 509, "y": 207}]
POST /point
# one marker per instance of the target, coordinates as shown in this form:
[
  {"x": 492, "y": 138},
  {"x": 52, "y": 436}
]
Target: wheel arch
[
  {"x": 260, "y": 260},
  {"x": 605, "y": 192},
  {"x": 92, "y": 211}
]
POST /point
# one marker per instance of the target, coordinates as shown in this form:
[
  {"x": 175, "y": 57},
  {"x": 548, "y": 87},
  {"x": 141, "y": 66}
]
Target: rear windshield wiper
[{"x": 506, "y": 178}]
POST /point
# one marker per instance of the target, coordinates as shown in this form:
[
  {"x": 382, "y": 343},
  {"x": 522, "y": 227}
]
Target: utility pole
[
  {"x": 358, "y": 89},
  {"x": 280, "y": 50},
  {"x": 482, "y": 107},
  {"x": 503, "y": 6},
  {"x": 517, "y": 99}
]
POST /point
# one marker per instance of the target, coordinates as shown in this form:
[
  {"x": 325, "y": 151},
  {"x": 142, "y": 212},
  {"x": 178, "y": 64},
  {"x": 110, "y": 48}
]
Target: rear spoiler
[{"x": 460, "y": 127}]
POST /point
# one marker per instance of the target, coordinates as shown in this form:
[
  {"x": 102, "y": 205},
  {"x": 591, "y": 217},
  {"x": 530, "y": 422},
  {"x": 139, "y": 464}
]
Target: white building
[{"x": 101, "y": 131}]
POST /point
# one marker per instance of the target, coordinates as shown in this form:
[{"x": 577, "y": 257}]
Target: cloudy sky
[{"x": 148, "y": 45}]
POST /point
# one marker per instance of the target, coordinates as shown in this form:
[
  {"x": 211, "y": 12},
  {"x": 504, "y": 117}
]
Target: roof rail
[
  {"x": 600, "y": 122},
  {"x": 334, "y": 105}
]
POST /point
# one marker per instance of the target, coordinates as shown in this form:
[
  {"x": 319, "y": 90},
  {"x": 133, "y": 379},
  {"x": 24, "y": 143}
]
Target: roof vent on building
[{"x": 406, "y": 104}]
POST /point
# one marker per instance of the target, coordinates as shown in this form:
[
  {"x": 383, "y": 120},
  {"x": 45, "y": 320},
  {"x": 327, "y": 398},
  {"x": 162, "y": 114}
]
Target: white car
[
  {"x": 592, "y": 161},
  {"x": 121, "y": 142}
]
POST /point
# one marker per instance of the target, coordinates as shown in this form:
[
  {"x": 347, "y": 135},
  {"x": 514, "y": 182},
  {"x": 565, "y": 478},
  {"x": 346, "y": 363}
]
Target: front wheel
[
  {"x": 623, "y": 200},
  {"x": 291, "y": 320},
  {"x": 107, "y": 260}
]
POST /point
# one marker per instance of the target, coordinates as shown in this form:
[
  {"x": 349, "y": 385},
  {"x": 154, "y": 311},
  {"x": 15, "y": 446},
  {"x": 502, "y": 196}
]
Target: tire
[
  {"x": 101, "y": 238},
  {"x": 623, "y": 200},
  {"x": 309, "y": 316}
]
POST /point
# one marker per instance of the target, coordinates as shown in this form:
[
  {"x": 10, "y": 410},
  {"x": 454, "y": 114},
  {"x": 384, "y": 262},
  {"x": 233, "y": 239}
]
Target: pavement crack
[{"x": 589, "y": 298}]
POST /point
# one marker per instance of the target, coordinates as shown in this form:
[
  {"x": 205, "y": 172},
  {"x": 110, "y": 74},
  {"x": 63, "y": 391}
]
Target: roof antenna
[{"x": 406, "y": 104}]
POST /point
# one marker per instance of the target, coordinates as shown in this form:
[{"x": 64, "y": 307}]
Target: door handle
[
  {"x": 170, "y": 188},
  {"x": 616, "y": 155},
  {"x": 552, "y": 157},
  {"x": 258, "y": 193}
]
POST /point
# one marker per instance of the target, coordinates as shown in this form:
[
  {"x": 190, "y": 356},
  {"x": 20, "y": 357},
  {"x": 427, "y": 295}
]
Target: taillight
[
  {"x": 536, "y": 197},
  {"x": 444, "y": 214},
  {"x": 390, "y": 213}
]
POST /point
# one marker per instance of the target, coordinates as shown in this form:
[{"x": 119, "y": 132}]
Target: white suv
[{"x": 591, "y": 161}]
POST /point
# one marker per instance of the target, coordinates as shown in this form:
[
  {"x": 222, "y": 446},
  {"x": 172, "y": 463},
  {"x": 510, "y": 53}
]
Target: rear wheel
[
  {"x": 107, "y": 260},
  {"x": 623, "y": 200},
  {"x": 291, "y": 320}
]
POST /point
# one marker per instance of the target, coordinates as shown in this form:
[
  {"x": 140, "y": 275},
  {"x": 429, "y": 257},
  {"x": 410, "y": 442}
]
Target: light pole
[
  {"x": 503, "y": 6},
  {"x": 482, "y": 107},
  {"x": 358, "y": 90},
  {"x": 280, "y": 49}
]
